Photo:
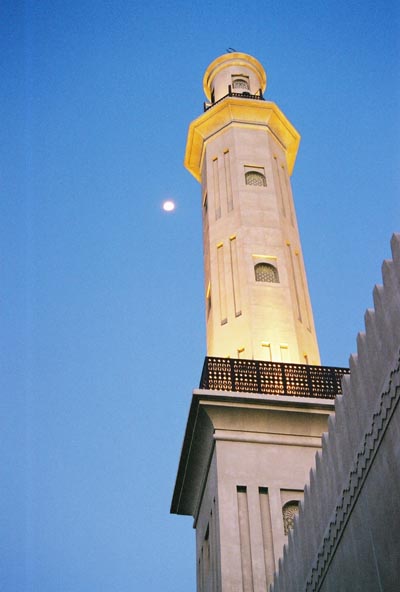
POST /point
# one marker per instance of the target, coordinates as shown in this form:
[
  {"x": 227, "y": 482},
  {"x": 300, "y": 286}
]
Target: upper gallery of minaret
[{"x": 242, "y": 149}]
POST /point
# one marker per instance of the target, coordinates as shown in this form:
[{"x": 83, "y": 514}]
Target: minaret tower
[
  {"x": 256, "y": 421},
  {"x": 242, "y": 149}
]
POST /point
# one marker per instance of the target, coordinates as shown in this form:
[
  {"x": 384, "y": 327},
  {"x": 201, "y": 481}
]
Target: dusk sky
[{"x": 101, "y": 292}]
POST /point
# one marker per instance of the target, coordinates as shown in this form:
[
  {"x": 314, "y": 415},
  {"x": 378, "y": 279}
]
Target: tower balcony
[
  {"x": 272, "y": 378},
  {"x": 239, "y": 95}
]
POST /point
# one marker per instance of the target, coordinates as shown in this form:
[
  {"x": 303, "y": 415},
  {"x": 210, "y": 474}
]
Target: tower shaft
[{"x": 242, "y": 150}]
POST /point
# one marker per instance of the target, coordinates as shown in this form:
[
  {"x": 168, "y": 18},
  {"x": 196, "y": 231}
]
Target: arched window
[
  {"x": 240, "y": 83},
  {"x": 265, "y": 272},
  {"x": 255, "y": 178},
  {"x": 289, "y": 511}
]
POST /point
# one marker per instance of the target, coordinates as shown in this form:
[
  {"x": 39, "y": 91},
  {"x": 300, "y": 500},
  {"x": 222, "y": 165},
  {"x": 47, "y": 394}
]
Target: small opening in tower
[
  {"x": 255, "y": 177},
  {"x": 240, "y": 82},
  {"x": 265, "y": 272},
  {"x": 289, "y": 511}
]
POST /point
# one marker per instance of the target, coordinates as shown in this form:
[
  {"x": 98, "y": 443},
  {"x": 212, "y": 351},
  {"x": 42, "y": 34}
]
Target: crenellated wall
[{"x": 346, "y": 537}]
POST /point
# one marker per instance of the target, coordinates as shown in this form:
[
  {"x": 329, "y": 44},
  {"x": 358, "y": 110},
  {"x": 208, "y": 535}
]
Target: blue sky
[{"x": 101, "y": 294}]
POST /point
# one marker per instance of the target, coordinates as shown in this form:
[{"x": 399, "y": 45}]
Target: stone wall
[{"x": 346, "y": 537}]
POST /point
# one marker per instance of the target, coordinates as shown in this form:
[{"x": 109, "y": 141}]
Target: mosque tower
[
  {"x": 256, "y": 421},
  {"x": 242, "y": 150}
]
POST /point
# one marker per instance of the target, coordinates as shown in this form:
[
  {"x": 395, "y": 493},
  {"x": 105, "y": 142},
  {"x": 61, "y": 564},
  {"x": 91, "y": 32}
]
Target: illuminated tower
[
  {"x": 242, "y": 150},
  {"x": 256, "y": 421}
]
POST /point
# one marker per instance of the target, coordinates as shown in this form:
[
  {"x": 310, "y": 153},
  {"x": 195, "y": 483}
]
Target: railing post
[
  {"x": 232, "y": 374},
  {"x": 258, "y": 374},
  {"x": 335, "y": 384},
  {"x": 309, "y": 381},
  {"x": 282, "y": 366}
]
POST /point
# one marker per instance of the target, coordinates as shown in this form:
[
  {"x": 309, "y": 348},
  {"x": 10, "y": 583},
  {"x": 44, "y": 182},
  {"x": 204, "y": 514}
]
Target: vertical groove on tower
[
  {"x": 228, "y": 181},
  {"x": 221, "y": 284},
  {"x": 212, "y": 550},
  {"x": 235, "y": 276},
  {"x": 244, "y": 532},
  {"x": 301, "y": 275},
  {"x": 216, "y": 189},
  {"x": 296, "y": 290},
  {"x": 280, "y": 187},
  {"x": 216, "y": 549},
  {"x": 288, "y": 193},
  {"x": 267, "y": 534}
]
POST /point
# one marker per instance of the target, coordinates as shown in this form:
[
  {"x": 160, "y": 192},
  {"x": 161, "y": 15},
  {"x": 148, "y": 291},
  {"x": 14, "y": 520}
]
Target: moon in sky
[{"x": 168, "y": 206}]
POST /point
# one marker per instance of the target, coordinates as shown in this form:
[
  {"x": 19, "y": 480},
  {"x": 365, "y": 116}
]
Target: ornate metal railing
[
  {"x": 272, "y": 378},
  {"x": 241, "y": 95}
]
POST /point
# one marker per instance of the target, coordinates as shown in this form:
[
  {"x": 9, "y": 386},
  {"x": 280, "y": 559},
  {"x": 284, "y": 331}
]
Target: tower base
[{"x": 244, "y": 462}]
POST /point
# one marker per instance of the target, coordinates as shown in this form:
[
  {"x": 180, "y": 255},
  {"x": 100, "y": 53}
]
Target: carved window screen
[
  {"x": 255, "y": 178},
  {"x": 240, "y": 83},
  {"x": 289, "y": 511},
  {"x": 265, "y": 272}
]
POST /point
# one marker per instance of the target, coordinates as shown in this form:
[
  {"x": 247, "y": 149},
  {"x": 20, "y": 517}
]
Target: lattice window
[
  {"x": 265, "y": 272},
  {"x": 289, "y": 511},
  {"x": 255, "y": 178},
  {"x": 240, "y": 83}
]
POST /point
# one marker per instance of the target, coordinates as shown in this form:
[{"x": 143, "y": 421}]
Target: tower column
[
  {"x": 242, "y": 150},
  {"x": 256, "y": 422}
]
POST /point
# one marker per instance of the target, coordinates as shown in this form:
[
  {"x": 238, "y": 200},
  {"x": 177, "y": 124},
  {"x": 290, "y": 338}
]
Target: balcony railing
[
  {"x": 240, "y": 95},
  {"x": 272, "y": 378}
]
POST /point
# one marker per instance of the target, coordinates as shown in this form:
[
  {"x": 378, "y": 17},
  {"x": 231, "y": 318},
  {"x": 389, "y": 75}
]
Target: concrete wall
[{"x": 346, "y": 537}]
